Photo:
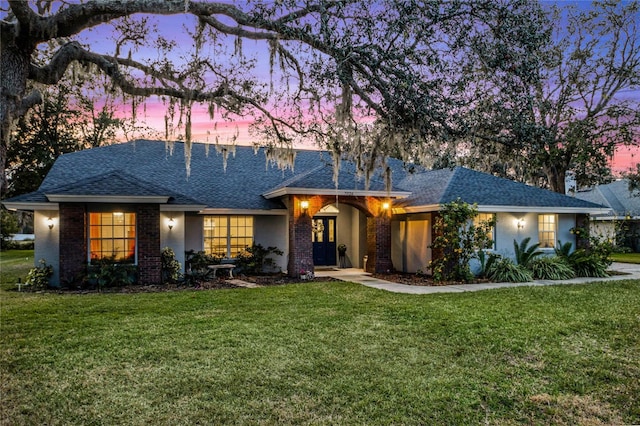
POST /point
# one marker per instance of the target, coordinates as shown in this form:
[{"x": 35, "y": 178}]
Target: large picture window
[
  {"x": 112, "y": 236},
  {"x": 547, "y": 230},
  {"x": 226, "y": 236}
]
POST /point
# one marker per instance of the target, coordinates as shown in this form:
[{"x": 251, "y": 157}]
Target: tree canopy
[
  {"x": 363, "y": 79},
  {"x": 560, "y": 104}
]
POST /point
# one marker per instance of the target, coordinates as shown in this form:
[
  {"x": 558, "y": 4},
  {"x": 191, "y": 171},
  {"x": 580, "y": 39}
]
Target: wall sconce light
[
  {"x": 386, "y": 205},
  {"x": 50, "y": 223},
  {"x": 520, "y": 223},
  {"x": 304, "y": 204},
  {"x": 170, "y": 223}
]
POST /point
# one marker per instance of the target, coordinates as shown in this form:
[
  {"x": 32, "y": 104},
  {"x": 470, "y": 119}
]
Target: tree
[
  {"x": 360, "y": 78},
  {"x": 558, "y": 104},
  {"x": 67, "y": 120}
]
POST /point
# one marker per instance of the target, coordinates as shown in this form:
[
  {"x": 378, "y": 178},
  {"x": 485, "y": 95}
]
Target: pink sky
[{"x": 203, "y": 130}]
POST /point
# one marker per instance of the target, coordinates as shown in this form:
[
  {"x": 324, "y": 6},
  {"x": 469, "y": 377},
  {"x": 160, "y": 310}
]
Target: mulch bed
[
  {"x": 421, "y": 280},
  {"x": 219, "y": 283}
]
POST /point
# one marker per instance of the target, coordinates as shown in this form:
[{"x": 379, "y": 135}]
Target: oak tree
[{"x": 361, "y": 78}]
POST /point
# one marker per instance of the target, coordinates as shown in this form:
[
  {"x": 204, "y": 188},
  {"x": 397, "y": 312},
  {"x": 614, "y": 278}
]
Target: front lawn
[
  {"x": 14, "y": 264},
  {"x": 323, "y": 353},
  {"x": 625, "y": 257}
]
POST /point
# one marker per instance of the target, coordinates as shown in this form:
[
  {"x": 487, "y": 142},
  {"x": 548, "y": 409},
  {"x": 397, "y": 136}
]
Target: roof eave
[
  {"x": 509, "y": 209},
  {"x": 30, "y": 206},
  {"x": 280, "y": 192},
  {"x": 137, "y": 199},
  {"x": 245, "y": 212}
]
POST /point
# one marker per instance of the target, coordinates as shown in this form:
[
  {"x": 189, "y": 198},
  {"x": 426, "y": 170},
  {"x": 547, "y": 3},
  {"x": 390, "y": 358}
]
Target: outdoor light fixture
[
  {"x": 386, "y": 205},
  {"x": 50, "y": 223},
  {"x": 520, "y": 223},
  {"x": 304, "y": 204},
  {"x": 170, "y": 223}
]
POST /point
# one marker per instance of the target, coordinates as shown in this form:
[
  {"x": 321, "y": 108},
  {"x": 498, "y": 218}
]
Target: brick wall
[
  {"x": 300, "y": 244},
  {"x": 73, "y": 242},
  {"x": 149, "y": 262},
  {"x": 379, "y": 244}
]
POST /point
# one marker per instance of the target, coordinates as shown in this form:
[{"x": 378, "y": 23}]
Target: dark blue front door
[{"x": 323, "y": 236}]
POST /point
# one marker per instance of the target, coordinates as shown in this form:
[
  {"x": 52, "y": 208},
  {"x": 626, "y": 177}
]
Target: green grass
[
  {"x": 625, "y": 257},
  {"x": 325, "y": 353},
  {"x": 14, "y": 264}
]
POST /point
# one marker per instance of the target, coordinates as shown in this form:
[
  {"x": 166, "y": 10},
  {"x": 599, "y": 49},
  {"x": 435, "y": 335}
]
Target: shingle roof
[
  {"x": 147, "y": 168},
  {"x": 615, "y": 195},
  {"x": 443, "y": 186}
]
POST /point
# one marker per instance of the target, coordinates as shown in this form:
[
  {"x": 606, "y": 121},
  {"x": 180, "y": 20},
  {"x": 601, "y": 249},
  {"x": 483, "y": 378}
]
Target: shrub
[
  {"x": 108, "y": 273},
  {"x": 504, "y": 270},
  {"x": 255, "y": 259},
  {"x": 38, "y": 277},
  {"x": 486, "y": 262},
  {"x": 457, "y": 240},
  {"x": 170, "y": 266},
  {"x": 585, "y": 263},
  {"x": 551, "y": 268},
  {"x": 525, "y": 254},
  {"x": 196, "y": 265}
]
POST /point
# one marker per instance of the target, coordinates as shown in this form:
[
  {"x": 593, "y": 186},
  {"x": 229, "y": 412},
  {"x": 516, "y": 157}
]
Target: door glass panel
[{"x": 332, "y": 230}]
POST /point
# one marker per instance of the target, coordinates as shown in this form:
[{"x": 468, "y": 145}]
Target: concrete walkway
[{"x": 630, "y": 271}]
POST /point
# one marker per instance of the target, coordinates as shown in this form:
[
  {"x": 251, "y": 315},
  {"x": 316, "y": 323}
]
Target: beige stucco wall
[
  {"x": 273, "y": 231},
  {"x": 47, "y": 241},
  {"x": 174, "y": 237},
  {"x": 410, "y": 241}
]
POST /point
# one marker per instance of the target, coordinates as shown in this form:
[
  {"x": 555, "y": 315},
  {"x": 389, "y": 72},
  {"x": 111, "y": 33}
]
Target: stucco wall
[
  {"x": 410, "y": 241},
  {"x": 193, "y": 232},
  {"x": 47, "y": 241},
  {"x": 174, "y": 237},
  {"x": 272, "y": 231}
]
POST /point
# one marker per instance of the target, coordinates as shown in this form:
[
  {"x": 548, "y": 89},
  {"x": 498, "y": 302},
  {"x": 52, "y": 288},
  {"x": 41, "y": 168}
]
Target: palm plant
[{"x": 524, "y": 253}]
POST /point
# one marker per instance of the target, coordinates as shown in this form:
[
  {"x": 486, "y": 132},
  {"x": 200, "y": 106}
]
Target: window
[
  {"x": 112, "y": 236},
  {"x": 481, "y": 219},
  {"x": 226, "y": 236},
  {"x": 547, "y": 230}
]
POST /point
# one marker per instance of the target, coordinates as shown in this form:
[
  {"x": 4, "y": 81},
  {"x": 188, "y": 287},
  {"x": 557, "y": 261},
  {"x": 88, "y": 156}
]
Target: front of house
[{"x": 128, "y": 201}]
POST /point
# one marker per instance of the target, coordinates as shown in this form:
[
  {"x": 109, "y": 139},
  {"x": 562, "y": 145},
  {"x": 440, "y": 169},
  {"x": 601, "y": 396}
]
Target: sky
[{"x": 152, "y": 114}]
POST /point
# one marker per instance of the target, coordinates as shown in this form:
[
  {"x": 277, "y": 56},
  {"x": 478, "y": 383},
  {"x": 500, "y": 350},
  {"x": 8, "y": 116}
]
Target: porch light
[
  {"x": 50, "y": 223},
  {"x": 304, "y": 204},
  {"x": 386, "y": 205},
  {"x": 170, "y": 223},
  {"x": 520, "y": 223}
]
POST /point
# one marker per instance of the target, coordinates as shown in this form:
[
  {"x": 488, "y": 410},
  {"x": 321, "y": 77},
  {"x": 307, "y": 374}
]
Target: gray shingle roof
[
  {"x": 615, "y": 195},
  {"x": 147, "y": 168},
  {"x": 446, "y": 185}
]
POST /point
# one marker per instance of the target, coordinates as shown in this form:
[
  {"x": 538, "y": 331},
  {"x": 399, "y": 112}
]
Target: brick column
[
  {"x": 300, "y": 244},
  {"x": 379, "y": 244},
  {"x": 149, "y": 262},
  {"x": 73, "y": 242}
]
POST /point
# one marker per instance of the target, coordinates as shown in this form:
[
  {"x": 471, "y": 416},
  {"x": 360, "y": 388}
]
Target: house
[
  {"x": 622, "y": 221},
  {"x": 127, "y": 201}
]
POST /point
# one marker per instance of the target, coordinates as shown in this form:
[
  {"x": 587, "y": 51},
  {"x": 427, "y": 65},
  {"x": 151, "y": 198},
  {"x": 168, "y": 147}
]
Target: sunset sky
[{"x": 203, "y": 129}]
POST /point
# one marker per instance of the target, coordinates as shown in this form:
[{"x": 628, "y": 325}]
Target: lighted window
[
  {"x": 226, "y": 236},
  {"x": 112, "y": 236},
  {"x": 482, "y": 219},
  {"x": 547, "y": 230}
]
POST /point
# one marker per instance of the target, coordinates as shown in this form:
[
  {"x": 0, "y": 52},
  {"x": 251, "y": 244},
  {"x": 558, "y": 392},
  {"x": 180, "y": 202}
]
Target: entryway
[{"x": 323, "y": 236}]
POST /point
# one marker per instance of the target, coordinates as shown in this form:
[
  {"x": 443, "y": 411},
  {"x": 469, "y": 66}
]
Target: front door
[{"x": 323, "y": 236}]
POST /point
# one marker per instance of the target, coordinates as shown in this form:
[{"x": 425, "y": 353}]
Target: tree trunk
[
  {"x": 14, "y": 69},
  {"x": 556, "y": 177}
]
